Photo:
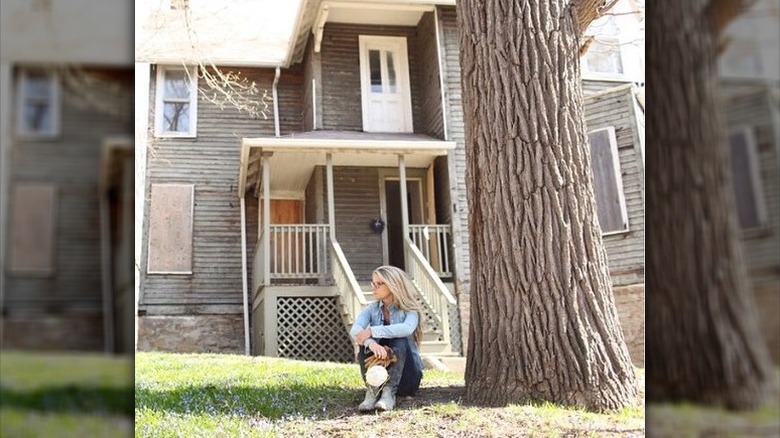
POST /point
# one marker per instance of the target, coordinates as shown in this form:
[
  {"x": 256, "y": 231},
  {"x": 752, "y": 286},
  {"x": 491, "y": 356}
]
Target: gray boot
[
  {"x": 387, "y": 401},
  {"x": 368, "y": 402}
]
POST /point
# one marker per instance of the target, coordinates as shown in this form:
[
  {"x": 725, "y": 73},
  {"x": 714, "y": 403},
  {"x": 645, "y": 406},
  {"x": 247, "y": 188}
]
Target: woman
[{"x": 393, "y": 321}]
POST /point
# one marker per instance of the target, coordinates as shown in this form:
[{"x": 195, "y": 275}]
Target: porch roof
[{"x": 294, "y": 157}]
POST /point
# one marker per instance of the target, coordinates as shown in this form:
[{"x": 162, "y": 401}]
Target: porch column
[
  {"x": 404, "y": 204},
  {"x": 331, "y": 201},
  {"x": 266, "y": 218}
]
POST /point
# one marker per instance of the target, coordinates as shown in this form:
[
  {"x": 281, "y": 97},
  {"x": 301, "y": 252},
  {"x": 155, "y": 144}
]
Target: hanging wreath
[{"x": 377, "y": 225}]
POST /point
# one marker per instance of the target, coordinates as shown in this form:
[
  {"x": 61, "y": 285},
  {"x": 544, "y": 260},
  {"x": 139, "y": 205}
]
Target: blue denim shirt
[{"x": 402, "y": 324}]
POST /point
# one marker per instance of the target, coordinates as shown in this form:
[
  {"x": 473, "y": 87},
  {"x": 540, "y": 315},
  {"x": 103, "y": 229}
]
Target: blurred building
[
  {"x": 750, "y": 98},
  {"x": 66, "y": 175}
]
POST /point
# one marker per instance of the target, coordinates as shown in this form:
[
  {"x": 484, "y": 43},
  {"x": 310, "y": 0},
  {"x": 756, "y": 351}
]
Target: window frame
[
  {"x": 22, "y": 130},
  {"x": 399, "y": 46},
  {"x": 192, "y": 74},
  {"x": 589, "y": 74},
  {"x": 618, "y": 175},
  {"x": 754, "y": 170}
]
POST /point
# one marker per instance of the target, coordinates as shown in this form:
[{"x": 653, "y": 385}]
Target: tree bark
[
  {"x": 544, "y": 324},
  {"x": 703, "y": 343}
]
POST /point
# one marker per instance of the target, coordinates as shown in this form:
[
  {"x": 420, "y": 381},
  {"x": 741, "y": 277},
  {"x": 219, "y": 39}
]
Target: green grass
[
  {"x": 689, "y": 420},
  {"x": 227, "y": 395},
  {"x": 65, "y": 394}
]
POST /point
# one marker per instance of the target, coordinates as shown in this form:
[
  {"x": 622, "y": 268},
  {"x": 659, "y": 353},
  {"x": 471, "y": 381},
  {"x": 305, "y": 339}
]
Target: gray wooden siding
[
  {"x": 430, "y": 88},
  {"x": 625, "y": 251},
  {"x": 760, "y": 247},
  {"x": 211, "y": 163},
  {"x": 590, "y": 86},
  {"x": 71, "y": 162},
  {"x": 356, "y": 194},
  {"x": 340, "y": 55},
  {"x": 456, "y": 160},
  {"x": 312, "y": 71}
]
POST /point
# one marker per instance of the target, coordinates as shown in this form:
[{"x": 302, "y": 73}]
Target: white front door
[{"x": 384, "y": 77}]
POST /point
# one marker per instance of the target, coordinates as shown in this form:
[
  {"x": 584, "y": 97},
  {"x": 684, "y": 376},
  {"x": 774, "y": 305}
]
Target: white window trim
[
  {"x": 403, "y": 78},
  {"x": 755, "y": 177},
  {"x": 604, "y": 76},
  {"x": 192, "y": 234},
  {"x": 158, "y": 107},
  {"x": 618, "y": 181},
  {"x": 21, "y": 129}
]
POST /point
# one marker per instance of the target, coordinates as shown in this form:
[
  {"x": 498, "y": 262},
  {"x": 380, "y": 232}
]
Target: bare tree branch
[
  {"x": 589, "y": 10},
  {"x": 225, "y": 88}
]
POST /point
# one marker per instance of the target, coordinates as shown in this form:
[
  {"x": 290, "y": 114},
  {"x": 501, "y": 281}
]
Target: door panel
[{"x": 385, "y": 84}]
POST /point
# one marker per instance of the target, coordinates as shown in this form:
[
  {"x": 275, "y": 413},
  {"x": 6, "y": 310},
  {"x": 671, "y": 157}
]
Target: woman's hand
[
  {"x": 379, "y": 350},
  {"x": 363, "y": 335}
]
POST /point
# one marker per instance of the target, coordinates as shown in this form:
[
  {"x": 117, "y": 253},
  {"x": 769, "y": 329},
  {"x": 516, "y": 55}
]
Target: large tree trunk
[
  {"x": 544, "y": 324},
  {"x": 703, "y": 344}
]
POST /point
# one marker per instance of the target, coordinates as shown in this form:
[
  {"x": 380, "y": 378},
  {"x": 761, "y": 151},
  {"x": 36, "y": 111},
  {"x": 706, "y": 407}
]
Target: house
[
  {"x": 749, "y": 72},
  {"x": 66, "y": 198},
  {"x": 260, "y": 235}
]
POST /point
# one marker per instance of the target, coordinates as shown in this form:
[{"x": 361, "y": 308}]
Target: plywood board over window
[
  {"x": 32, "y": 229},
  {"x": 608, "y": 181},
  {"x": 170, "y": 229}
]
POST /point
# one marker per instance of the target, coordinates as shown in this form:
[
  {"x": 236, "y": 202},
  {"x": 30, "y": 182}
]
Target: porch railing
[
  {"x": 351, "y": 293},
  {"x": 434, "y": 242},
  {"x": 298, "y": 251},
  {"x": 433, "y": 290}
]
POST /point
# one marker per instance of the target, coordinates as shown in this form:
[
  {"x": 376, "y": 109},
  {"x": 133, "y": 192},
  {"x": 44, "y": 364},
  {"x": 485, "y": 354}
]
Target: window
[
  {"x": 387, "y": 104},
  {"x": 170, "y": 229},
  {"x": 32, "y": 224},
  {"x": 603, "y": 57},
  {"x": 177, "y": 106},
  {"x": 39, "y": 103},
  {"x": 746, "y": 178},
  {"x": 607, "y": 181}
]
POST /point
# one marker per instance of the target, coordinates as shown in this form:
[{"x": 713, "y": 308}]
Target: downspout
[
  {"x": 276, "y": 101},
  {"x": 244, "y": 276},
  {"x": 6, "y": 72}
]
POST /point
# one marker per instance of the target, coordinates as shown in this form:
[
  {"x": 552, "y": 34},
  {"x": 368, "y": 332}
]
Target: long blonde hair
[{"x": 403, "y": 292}]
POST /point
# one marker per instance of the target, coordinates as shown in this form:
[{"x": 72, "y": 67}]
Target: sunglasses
[{"x": 377, "y": 284}]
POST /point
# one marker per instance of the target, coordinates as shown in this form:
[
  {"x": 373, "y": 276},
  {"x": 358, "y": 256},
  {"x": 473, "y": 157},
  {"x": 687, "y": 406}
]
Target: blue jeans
[{"x": 404, "y": 377}]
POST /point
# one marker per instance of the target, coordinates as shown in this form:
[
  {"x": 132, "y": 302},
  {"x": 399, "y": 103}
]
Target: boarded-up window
[
  {"x": 747, "y": 179},
  {"x": 32, "y": 229},
  {"x": 170, "y": 229},
  {"x": 607, "y": 180}
]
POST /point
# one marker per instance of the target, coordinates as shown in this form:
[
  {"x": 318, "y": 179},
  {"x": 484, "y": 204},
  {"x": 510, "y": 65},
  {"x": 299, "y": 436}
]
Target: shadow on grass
[
  {"x": 274, "y": 402},
  {"x": 70, "y": 399}
]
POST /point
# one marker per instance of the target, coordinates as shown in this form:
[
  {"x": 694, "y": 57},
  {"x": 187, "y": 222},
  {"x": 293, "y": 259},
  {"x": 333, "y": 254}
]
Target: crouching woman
[{"x": 393, "y": 321}]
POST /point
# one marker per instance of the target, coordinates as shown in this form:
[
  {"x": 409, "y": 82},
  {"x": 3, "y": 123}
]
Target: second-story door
[{"x": 384, "y": 76}]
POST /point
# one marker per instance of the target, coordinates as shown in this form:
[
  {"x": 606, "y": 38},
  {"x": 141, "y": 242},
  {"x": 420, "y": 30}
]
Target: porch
[{"x": 306, "y": 262}]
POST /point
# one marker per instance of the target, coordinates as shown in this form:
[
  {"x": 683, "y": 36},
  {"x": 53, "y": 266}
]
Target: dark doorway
[{"x": 395, "y": 248}]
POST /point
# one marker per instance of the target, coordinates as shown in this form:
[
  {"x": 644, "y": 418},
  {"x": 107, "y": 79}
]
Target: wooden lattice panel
[{"x": 310, "y": 328}]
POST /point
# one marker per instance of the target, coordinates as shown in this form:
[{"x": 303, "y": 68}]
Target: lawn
[
  {"x": 187, "y": 395},
  {"x": 65, "y": 395}
]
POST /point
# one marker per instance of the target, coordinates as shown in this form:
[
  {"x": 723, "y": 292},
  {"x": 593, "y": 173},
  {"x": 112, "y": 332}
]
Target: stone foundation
[
  {"x": 767, "y": 300},
  {"x": 76, "y": 332},
  {"x": 630, "y": 303},
  {"x": 192, "y": 333}
]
